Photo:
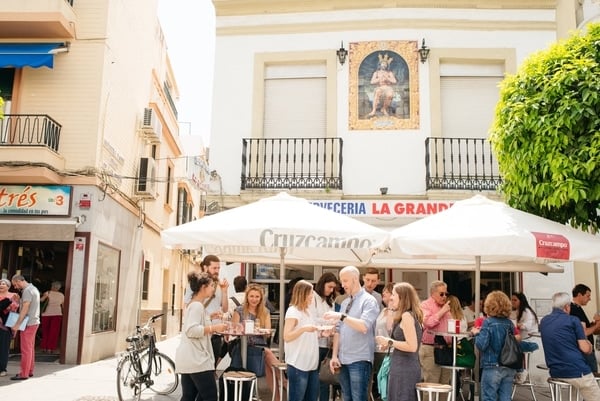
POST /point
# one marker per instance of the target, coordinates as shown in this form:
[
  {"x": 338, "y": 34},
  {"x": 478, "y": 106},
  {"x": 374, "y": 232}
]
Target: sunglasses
[
  {"x": 349, "y": 306},
  {"x": 444, "y": 294}
]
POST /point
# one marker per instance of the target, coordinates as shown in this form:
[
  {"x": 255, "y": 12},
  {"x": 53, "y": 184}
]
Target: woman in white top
[
  {"x": 194, "y": 357},
  {"x": 52, "y": 317},
  {"x": 301, "y": 345},
  {"x": 324, "y": 294},
  {"x": 527, "y": 320}
]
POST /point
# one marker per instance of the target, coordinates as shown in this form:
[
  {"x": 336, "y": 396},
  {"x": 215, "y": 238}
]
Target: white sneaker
[
  {"x": 3, "y": 373},
  {"x": 521, "y": 377}
]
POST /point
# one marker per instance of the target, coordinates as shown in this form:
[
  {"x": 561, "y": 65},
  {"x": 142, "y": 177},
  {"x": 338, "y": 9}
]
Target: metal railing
[
  {"x": 29, "y": 130},
  {"x": 302, "y": 163},
  {"x": 461, "y": 163}
]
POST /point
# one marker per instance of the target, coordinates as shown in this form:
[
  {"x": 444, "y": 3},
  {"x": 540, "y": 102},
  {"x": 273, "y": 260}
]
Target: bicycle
[{"x": 142, "y": 366}]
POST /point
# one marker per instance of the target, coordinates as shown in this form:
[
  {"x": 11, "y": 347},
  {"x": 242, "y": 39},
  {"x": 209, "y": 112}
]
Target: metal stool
[
  {"x": 527, "y": 382},
  {"x": 557, "y": 387},
  {"x": 433, "y": 388},
  {"x": 280, "y": 367},
  {"x": 238, "y": 379}
]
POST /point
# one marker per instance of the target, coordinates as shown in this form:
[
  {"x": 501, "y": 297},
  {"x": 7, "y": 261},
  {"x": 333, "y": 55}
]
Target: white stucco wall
[{"x": 372, "y": 159}]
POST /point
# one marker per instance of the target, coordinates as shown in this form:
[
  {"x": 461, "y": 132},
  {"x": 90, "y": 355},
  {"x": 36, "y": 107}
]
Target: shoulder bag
[
  {"x": 511, "y": 355},
  {"x": 325, "y": 375},
  {"x": 465, "y": 352}
]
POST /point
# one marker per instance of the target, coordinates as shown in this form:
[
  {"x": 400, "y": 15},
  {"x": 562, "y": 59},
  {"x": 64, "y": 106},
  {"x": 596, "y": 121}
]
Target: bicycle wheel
[
  {"x": 128, "y": 387},
  {"x": 163, "y": 375}
]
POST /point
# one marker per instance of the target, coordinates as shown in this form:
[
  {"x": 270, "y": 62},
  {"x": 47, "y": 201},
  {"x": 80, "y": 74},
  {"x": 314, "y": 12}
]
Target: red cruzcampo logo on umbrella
[{"x": 552, "y": 246}]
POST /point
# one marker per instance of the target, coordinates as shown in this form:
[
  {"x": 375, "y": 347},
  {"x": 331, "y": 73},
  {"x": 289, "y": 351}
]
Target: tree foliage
[{"x": 546, "y": 132}]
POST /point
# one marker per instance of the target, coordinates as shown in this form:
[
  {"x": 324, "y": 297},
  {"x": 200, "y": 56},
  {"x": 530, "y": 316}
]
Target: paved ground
[{"x": 97, "y": 382}]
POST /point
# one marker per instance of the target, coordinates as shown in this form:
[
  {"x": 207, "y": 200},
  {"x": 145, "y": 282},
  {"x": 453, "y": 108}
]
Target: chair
[
  {"x": 238, "y": 379},
  {"x": 557, "y": 387},
  {"x": 280, "y": 367},
  {"x": 527, "y": 382},
  {"x": 433, "y": 388}
]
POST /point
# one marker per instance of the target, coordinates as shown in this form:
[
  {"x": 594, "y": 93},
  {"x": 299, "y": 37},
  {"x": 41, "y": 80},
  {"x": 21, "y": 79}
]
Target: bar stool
[
  {"x": 557, "y": 387},
  {"x": 433, "y": 388},
  {"x": 238, "y": 379},
  {"x": 527, "y": 382},
  {"x": 280, "y": 367}
]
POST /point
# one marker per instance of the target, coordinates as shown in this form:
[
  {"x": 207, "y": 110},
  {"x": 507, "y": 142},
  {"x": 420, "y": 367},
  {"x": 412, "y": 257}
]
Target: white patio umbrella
[
  {"x": 280, "y": 229},
  {"x": 482, "y": 232}
]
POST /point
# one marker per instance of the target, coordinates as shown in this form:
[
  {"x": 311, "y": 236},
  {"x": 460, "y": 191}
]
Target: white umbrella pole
[
  {"x": 281, "y": 299},
  {"x": 477, "y": 285}
]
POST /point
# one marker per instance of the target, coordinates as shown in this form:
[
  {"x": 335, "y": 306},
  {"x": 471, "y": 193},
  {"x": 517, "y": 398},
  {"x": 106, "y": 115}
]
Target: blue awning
[{"x": 35, "y": 55}]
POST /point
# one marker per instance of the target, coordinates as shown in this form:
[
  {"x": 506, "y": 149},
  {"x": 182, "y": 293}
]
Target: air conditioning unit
[
  {"x": 145, "y": 184},
  {"x": 151, "y": 126}
]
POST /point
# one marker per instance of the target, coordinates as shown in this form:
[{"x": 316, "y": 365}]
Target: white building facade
[{"x": 290, "y": 115}]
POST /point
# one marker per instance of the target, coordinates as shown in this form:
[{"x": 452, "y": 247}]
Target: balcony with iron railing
[
  {"x": 32, "y": 138},
  {"x": 461, "y": 164},
  {"x": 316, "y": 163},
  {"x": 292, "y": 163}
]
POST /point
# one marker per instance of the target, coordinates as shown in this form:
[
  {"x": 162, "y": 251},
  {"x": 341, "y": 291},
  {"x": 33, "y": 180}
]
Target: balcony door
[
  {"x": 7, "y": 79},
  {"x": 469, "y": 93},
  {"x": 295, "y": 111}
]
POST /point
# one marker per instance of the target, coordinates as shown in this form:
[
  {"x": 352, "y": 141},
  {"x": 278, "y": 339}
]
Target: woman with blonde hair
[
  {"x": 301, "y": 345},
  {"x": 457, "y": 312},
  {"x": 406, "y": 327},
  {"x": 496, "y": 380},
  {"x": 254, "y": 308}
]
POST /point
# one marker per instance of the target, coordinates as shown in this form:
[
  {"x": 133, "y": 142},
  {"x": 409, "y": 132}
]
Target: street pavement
[{"x": 97, "y": 382}]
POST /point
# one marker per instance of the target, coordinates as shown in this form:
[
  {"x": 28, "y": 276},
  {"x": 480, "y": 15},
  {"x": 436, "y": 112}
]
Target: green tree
[{"x": 546, "y": 132}]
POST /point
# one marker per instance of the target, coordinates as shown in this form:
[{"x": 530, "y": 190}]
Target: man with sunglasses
[
  {"x": 354, "y": 340},
  {"x": 436, "y": 312}
]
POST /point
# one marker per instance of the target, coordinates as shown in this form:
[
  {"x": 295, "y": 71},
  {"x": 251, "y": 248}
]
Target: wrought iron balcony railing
[
  {"x": 301, "y": 163},
  {"x": 29, "y": 130},
  {"x": 461, "y": 163}
]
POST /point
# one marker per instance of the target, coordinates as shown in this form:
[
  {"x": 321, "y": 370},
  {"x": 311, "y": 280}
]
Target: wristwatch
[
  {"x": 390, "y": 343},
  {"x": 343, "y": 317}
]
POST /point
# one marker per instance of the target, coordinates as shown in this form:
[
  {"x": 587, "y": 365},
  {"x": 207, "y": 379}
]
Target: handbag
[
  {"x": 325, "y": 375},
  {"x": 442, "y": 352},
  {"x": 383, "y": 374},
  {"x": 465, "y": 352},
  {"x": 511, "y": 355}
]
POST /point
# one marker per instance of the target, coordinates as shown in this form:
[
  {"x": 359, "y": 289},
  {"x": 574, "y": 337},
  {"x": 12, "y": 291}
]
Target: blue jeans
[
  {"x": 496, "y": 383},
  {"x": 323, "y": 387},
  {"x": 302, "y": 385},
  {"x": 354, "y": 380}
]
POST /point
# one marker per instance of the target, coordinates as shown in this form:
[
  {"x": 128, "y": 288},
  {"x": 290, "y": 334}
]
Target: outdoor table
[
  {"x": 244, "y": 340},
  {"x": 455, "y": 337}
]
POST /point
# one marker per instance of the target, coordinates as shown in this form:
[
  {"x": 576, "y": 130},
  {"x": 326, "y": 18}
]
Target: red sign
[{"x": 552, "y": 246}]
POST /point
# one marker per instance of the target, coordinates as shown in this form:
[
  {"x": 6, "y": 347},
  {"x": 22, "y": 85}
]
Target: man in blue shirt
[
  {"x": 354, "y": 340},
  {"x": 565, "y": 347}
]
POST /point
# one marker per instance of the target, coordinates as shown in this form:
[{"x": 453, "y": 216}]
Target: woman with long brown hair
[{"x": 406, "y": 328}]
